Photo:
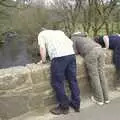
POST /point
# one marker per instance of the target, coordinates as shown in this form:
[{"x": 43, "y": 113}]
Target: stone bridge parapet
[{"x": 26, "y": 88}]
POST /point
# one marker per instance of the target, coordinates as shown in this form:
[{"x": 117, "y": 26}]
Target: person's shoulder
[{"x": 43, "y": 32}]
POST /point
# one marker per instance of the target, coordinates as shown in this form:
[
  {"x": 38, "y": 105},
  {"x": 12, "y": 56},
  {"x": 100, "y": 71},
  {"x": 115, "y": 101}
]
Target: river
[{"x": 14, "y": 52}]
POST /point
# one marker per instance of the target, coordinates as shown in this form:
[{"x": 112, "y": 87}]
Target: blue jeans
[{"x": 65, "y": 68}]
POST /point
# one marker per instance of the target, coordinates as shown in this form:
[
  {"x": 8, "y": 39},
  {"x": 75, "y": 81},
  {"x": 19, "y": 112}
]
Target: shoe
[
  {"x": 76, "y": 109},
  {"x": 59, "y": 110},
  {"x": 107, "y": 101},
  {"x": 97, "y": 102}
]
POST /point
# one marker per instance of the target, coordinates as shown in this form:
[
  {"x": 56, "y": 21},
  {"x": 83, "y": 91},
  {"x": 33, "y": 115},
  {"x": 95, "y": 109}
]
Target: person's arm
[
  {"x": 106, "y": 41},
  {"x": 41, "y": 43},
  {"x": 43, "y": 54}
]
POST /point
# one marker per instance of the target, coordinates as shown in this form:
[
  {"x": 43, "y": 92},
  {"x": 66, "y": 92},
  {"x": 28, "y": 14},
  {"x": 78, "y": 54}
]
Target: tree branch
[{"x": 2, "y": 3}]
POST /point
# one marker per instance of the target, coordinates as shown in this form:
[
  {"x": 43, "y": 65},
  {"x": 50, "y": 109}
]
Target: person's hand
[
  {"x": 104, "y": 48},
  {"x": 40, "y": 62}
]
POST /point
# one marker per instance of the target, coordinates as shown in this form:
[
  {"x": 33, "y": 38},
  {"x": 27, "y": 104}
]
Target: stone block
[
  {"x": 2, "y": 92},
  {"x": 24, "y": 90},
  {"x": 48, "y": 92},
  {"x": 111, "y": 75},
  {"x": 39, "y": 72},
  {"x": 108, "y": 56},
  {"x": 81, "y": 67},
  {"x": 79, "y": 59},
  {"x": 41, "y": 87},
  {"x": 85, "y": 87},
  {"x": 36, "y": 102},
  {"x": 13, "y": 77},
  {"x": 12, "y": 106},
  {"x": 81, "y": 71},
  {"x": 49, "y": 100}
]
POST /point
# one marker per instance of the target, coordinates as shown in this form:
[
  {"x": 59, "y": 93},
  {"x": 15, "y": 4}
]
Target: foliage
[
  {"x": 92, "y": 16},
  {"x": 6, "y": 11}
]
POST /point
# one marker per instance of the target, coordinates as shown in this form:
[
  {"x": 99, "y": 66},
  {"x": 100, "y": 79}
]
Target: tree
[
  {"x": 86, "y": 12},
  {"x": 68, "y": 12},
  {"x": 101, "y": 13},
  {"x": 116, "y": 18},
  {"x": 6, "y": 11},
  {"x": 7, "y": 3}
]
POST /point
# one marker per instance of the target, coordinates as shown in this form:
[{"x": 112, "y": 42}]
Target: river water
[{"x": 14, "y": 52}]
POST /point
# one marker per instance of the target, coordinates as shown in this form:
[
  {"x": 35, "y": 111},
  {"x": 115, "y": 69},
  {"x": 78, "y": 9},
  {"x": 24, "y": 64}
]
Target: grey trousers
[
  {"x": 117, "y": 82},
  {"x": 95, "y": 62}
]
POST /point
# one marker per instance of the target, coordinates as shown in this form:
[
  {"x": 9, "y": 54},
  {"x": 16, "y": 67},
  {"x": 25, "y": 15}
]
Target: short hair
[{"x": 96, "y": 39}]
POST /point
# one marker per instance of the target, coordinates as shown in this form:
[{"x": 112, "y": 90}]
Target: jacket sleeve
[{"x": 75, "y": 47}]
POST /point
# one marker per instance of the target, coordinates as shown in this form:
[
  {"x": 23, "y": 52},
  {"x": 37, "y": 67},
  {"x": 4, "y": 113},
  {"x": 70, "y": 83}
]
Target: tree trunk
[
  {"x": 107, "y": 28},
  {"x": 95, "y": 31},
  {"x": 112, "y": 27}
]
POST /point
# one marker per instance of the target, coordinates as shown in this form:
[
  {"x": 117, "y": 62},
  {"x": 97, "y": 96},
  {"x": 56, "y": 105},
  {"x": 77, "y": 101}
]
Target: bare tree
[
  {"x": 101, "y": 13},
  {"x": 7, "y": 3},
  {"x": 68, "y": 12},
  {"x": 86, "y": 13}
]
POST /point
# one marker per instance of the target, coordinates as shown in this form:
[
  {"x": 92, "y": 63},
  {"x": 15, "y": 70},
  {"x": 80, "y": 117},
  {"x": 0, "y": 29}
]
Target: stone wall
[{"x": 23, "y": 89}]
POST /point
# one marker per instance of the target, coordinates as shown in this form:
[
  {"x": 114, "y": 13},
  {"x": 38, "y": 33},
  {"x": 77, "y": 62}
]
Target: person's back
[
  {"x": 57, "y": 43},
  {"x": 94, "y": 59},
  {"x": 83, "y": 44}
]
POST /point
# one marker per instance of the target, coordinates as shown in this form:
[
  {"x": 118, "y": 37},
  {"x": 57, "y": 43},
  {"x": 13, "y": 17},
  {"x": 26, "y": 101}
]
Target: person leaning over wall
[
  {"x": 112, "y": 42},
  {"x": 94, "y": 60},
  {"x": 63, "y": 65}
]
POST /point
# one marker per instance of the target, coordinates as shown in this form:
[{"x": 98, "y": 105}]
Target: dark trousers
[{"x": 65, "y": 68}]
